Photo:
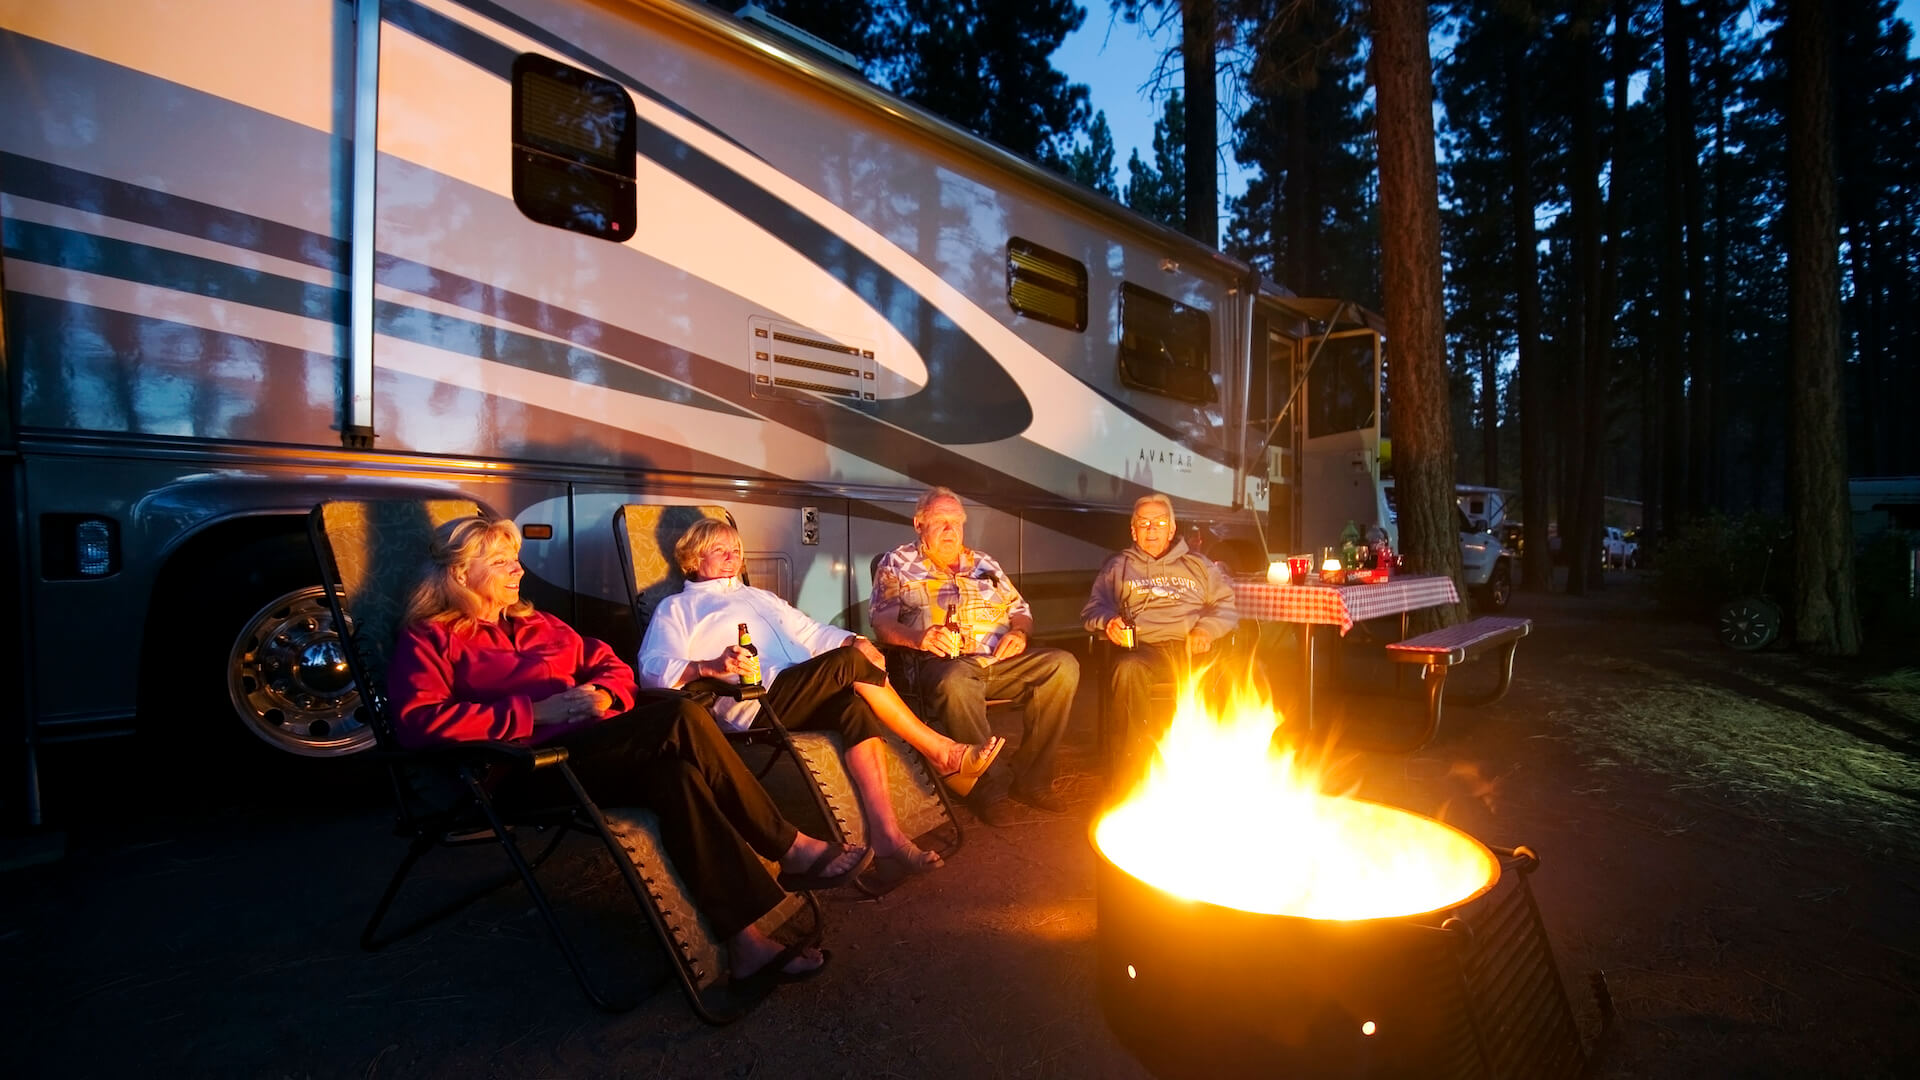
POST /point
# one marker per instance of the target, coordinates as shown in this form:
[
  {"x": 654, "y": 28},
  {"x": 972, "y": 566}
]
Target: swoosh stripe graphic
[
  {"x": 32, "y": 178},
  {"x": 968, "y": 397},
  {"x": 903, "y": 451},
  {"x": 143, "y": 263},
  {"x": 497, "y": 58},
  {"x": 642, "y": 365},
  {"x": 147, "y": 265}
]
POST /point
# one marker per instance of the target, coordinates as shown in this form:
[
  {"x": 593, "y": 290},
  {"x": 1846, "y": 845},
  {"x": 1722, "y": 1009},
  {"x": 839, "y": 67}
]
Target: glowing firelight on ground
[{"x": 1225, "y": 818}]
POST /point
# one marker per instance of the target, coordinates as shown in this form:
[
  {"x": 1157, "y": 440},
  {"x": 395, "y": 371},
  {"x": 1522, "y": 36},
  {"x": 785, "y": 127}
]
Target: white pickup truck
[
  {"x": 1619, "y": 552},
  {"x": 1487, "y": 564}
]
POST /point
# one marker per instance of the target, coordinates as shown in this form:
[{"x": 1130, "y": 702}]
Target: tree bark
[
  {"x": 1536, "y": 384},
  {"x": 1198, "y": 23},
  {"x": 1826, "y": 620},
  {"x": 1489, "y": 415},
  {"x": 1673, "y": 269},
  {"x": 1410, "y": 272},
  {"x": 1594, "y": 326},
  {"x": 1701, "y": 375}
]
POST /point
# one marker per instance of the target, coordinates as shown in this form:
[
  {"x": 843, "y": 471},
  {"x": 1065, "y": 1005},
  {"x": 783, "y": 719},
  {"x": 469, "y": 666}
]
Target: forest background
[{"x": 1613, "y": 185}]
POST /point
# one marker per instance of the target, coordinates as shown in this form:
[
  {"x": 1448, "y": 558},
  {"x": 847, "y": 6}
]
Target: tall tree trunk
[
  {"x": 1198, "y": 21},
  {"x": 1489, "y": 416},
  {"x": 1714, "y": 349},
  {"x": 1294, "y": 201},
  {"x": 1673, "y": 269},
  {"x": 1701, "y": 377},
  {"x": 1595, "y": 269},
  {"x": 1536, "y": 385},
  {"x": 1826, "y": 620},
  {"x": 1410, "y": 274}
]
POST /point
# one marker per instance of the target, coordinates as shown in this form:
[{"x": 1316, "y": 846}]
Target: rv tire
[{"x": 264, "y": 649}]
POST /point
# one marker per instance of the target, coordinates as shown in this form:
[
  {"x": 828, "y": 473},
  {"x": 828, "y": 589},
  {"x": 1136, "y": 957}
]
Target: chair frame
[{"x": 472, "y": 819}]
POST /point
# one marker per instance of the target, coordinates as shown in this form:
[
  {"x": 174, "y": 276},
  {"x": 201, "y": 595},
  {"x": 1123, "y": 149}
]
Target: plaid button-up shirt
[{"x": 917, "y": 594}]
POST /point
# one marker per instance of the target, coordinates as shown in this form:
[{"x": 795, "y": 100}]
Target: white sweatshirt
[{"x": 704, "y": 617}]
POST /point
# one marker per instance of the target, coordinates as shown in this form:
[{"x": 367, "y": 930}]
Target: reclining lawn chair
[
  {"x": 645, "y": 535},
  {"x": 370, "y": 555}
]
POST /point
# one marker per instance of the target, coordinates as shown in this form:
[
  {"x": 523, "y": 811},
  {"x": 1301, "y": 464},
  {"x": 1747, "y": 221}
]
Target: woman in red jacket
[{"x": 475, "y": 661}]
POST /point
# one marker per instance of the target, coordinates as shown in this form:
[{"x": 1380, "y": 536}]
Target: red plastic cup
[{"x": 1301, "y": 567}]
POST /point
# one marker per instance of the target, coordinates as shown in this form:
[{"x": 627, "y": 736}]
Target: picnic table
[{"x": 1317, "y": 604}]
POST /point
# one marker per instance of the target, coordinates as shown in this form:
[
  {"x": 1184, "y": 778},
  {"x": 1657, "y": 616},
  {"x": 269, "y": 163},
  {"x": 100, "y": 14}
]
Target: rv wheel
[{"x": 288, "y": 679}]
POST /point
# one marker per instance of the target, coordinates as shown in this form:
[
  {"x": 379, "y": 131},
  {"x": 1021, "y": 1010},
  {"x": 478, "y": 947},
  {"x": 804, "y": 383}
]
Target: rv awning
[{"x": 1332, "y": 314}]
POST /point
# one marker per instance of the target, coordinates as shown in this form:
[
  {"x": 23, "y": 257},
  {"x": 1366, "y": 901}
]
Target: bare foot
[
  {"x": 750, "y": 950},
  {"x": 912, "y": 858},
  {"x": 806, "y": 850}
]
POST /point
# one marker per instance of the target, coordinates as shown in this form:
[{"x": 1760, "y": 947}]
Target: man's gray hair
[
  {"x": 933, "y": 495},
  {"x": 1154, "y": 499}
]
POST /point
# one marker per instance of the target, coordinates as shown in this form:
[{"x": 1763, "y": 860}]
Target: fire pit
[{"x": 1251, "y": 926}]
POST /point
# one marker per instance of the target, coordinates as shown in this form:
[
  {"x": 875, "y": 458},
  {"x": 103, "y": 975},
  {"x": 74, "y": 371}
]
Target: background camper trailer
[{"x": 556, "y": 256}]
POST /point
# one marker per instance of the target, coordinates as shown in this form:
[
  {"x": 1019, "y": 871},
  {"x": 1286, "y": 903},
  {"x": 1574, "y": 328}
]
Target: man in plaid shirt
[{"x": 961, "y": 630}]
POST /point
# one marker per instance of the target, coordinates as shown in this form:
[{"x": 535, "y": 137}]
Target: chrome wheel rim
[{"x": 287, "y": 675}]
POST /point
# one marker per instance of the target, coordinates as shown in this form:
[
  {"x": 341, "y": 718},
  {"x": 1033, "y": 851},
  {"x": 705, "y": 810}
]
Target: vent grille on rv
[{"x": 793, "y": 362}]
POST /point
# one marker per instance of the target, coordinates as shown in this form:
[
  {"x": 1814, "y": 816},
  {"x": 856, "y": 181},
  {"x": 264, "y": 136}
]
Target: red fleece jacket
[{"x": 456, "y": 686}]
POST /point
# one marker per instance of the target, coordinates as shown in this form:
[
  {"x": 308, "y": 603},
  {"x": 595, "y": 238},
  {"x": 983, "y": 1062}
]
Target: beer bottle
[
  {"x": 964, "y": 640},
  {"x": 752, "y": 676}
]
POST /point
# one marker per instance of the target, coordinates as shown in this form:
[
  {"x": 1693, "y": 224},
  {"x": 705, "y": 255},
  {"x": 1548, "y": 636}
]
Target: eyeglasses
[{"x": 1152, "y": 523}]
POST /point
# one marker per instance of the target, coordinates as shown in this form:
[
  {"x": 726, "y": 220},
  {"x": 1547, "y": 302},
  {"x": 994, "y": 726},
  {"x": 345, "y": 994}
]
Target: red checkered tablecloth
[{"x": 1340, "y": 605}]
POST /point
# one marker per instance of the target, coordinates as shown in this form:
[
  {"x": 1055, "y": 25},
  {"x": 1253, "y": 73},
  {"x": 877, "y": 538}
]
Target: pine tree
[
  {"x": 1091, "y": 163},
  {"x": 1159, "y": 190},
  {"x": 984, "y": 64}
]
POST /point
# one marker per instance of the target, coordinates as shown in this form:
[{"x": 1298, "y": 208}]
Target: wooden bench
[{"x": 1439, "y": 650}]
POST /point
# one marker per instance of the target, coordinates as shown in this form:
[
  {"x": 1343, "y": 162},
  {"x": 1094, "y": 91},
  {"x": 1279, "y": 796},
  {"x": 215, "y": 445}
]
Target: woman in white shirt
[{"x": 817, "y": 676}]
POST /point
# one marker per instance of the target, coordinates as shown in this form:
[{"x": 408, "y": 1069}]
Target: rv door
[{"x": 1340, "y": 454}]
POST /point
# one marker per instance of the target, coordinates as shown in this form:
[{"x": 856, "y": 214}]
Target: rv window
[
  {"x": 1340, "y": 387},
  {"x": 1046, "y": 285},
  {"x": 1164, "y": 346},
  {"x": 573, "y": 149}
]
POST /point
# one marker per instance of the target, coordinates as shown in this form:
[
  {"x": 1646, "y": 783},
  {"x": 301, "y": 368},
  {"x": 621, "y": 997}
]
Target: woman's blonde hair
[
  {"x": 440, "y": 597},
  {"x": 700, "y": 536}
]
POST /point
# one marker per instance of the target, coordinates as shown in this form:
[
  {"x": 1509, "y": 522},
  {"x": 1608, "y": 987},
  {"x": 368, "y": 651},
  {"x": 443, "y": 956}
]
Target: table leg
[{"x": 1306, "y": 671}]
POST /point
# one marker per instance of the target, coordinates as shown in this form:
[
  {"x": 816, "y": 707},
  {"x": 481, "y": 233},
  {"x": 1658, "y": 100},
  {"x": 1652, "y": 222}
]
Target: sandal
[
  {"x": 774, "y": 972},
  {"x": 973, "y": 765},
  {"x": 815, "y": 876}
]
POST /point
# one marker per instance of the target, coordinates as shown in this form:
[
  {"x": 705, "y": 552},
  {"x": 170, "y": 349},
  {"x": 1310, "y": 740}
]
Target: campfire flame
[{"x": 1225, "y": 817}]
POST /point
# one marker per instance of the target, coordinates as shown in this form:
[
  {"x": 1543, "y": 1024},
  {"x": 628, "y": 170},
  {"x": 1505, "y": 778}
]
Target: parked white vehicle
[
  {"x": 1487, "y": 564},
  {"x": 1618, "y": 551}
]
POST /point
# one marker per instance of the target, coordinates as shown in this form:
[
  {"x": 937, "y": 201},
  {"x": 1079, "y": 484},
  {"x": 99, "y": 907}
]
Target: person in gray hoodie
[{"x": 1161, "y": 605}]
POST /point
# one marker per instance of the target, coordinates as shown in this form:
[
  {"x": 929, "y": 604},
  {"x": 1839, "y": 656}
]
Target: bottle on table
[
  {"x": 1350, "y": 546},
  {"x": 752, "y": 675}
]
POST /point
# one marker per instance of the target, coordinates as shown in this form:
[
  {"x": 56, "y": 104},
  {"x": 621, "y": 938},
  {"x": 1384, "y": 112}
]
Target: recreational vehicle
[{"x": 556, "y": 256}]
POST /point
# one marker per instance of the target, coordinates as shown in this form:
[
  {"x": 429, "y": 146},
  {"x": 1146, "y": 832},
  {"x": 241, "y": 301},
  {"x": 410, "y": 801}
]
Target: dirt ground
[{"x": 1730, "y": 838}]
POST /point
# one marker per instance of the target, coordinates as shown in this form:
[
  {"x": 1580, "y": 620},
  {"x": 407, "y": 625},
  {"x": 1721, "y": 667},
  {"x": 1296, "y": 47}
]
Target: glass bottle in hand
[{"x": 752, "y": 675}]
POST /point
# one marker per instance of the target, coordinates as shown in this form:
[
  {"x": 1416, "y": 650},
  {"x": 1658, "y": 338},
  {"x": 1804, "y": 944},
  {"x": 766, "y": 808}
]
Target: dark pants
[
  {"x": 667, "y": 754},
  {"x": 954, "y": 692},
  {"x": 819, "y": 696},
  {"x": 1140, "y": 705}
]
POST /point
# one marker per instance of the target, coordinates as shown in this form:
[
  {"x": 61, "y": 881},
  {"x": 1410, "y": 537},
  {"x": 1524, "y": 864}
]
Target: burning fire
[{"x": 1227, "y": 818}]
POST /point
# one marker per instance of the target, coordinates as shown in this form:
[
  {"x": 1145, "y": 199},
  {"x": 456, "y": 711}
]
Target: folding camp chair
[
  {"x": 370, "y": 554},
  {"x": 645, "y": 534}
]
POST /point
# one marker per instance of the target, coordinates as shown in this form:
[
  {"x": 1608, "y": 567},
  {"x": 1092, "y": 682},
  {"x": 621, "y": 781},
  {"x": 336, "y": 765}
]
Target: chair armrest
[
  {"x": 487, "y": 752},
  {"x": 713, "y": 688}
]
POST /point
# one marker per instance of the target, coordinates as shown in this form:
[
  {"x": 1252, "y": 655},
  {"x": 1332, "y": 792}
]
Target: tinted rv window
[
  {"x": 1164, "y": 345},
  {"x": 572, "y": 149},
  {"x": 1046, "y": 285}
]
